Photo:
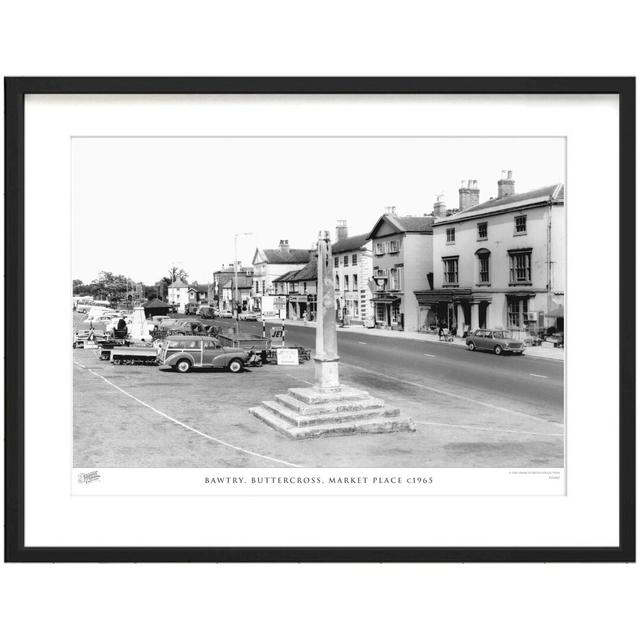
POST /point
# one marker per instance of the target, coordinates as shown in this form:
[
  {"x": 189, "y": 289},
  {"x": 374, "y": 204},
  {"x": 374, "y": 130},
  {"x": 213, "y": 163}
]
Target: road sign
[{"x": 287, "y": 356}]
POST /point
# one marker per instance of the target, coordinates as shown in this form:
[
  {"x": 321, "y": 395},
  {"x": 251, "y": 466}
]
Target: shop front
[
  {"x": 349, "y": 307},
  {"x": 459, "y": 311},
  {"x": 302, "y": 307},
  {"x": 388, "y": 312}
]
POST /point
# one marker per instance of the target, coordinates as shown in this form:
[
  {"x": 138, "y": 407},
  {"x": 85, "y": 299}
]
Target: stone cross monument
[
  {"x": 326, "y": 359},
  {"x": 328, "y": 408}
]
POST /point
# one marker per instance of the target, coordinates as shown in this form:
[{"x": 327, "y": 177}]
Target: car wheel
[
  {"x": 497, "y": 350},
  {"x": 472, "y": 346},
  {"x": 183, "y": 366},
  {"x": 235, "y": 366}
]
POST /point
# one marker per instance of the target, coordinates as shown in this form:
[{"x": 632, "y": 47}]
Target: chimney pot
[
  {"x": 342, "y": 230},
  {"x": 439, "y": 206},
  {"x": 469, "y": 194},
  {"x": 506, "y": 184}
]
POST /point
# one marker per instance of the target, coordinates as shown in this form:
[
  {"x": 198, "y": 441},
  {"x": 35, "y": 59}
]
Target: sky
[{"x": 181, "y": 201}]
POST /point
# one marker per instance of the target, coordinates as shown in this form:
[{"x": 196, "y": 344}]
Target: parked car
[
  {"x": 206, "y": 312},
  {"x": 248, "y": 315},
  {"x": 186, "y": 327},
  {"x": 226, "y": 314},
  {"x": 498, "y": 341},
  {"x": 184, "y": 353}
]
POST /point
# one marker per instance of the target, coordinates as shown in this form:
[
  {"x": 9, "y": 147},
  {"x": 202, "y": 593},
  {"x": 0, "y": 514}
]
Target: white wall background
[{"x": 328, "y": 38}]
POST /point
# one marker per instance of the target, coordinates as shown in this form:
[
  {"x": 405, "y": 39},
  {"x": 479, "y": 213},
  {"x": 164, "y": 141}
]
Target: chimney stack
[
  {"x": 341, "y": 230},
  {"x": 506, "y": 184},
  {"x": 469, "y": 194},
  {"x": 440, "y": 207},
  {"x": 284, "y": 245}
]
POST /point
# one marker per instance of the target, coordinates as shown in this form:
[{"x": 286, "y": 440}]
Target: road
[{"x": 530, "y": 385}]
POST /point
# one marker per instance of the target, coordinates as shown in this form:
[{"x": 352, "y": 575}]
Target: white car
[{"x": 248, "y": 315}]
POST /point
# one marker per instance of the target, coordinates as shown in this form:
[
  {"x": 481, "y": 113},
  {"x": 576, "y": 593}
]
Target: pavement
[{"x": 471, "y": 410}]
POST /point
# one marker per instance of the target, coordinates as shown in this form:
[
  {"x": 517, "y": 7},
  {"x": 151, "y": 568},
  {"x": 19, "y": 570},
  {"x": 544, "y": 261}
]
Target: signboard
[
  {"x": 276, "y": 332},
  {"x": 287, "y": 356},
  {"x": 298, "y": 299},
  {"x": 274, "y": 306}
]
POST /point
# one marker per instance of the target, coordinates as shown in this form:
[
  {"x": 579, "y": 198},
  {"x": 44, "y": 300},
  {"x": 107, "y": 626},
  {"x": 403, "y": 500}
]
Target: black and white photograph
[
  {"x": 318, "y": 302},
  {"x": 364, "y": 318},
  {"x": 320, "y": 320}
]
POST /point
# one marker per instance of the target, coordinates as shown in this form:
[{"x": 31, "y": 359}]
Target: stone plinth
[
  {"x": 327, "y": 372},
  {"x": 314, "y": 412}
]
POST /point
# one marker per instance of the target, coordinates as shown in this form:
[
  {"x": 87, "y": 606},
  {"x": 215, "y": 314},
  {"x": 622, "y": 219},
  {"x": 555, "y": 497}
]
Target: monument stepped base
[{"x": 312, "y": 412}]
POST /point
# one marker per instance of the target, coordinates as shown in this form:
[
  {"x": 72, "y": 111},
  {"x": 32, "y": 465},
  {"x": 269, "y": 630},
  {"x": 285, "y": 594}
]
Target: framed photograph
[{"x": 320, "y": 319}]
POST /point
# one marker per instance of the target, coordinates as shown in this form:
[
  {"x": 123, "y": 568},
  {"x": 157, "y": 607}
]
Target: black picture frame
[{"x": 15, "y": 91}]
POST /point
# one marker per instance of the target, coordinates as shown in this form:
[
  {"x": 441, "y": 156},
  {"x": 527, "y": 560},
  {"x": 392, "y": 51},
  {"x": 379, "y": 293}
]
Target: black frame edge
[
  {"x": 14, "y": 325},
  {"x": 15, "y": 90}
]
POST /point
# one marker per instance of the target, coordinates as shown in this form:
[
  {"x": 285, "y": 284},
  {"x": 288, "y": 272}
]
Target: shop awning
[
  {"x": 386, "y": 299},
  {"x": 441, "y": 295}
]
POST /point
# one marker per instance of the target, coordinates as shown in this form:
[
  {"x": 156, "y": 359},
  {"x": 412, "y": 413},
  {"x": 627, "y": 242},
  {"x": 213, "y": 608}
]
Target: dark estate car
[
  {"x": 202, "y": 352},
  {"x": 498, "y": 341}
]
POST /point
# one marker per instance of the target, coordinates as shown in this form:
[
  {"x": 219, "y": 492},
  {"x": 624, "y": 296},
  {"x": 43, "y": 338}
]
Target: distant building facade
[
  {"x": 402, "y": 248},
  {"x": 499, "y": 264},
  {"x": 353, "y": 271},
  {"x": 269, "y": 264},
  {"x": 229, "y": 292},
  {"x": 221, "y": 279},
  {"x": 181, "y": 293},
  {"x": 178, "y": 294},
  {"x": 300, "y": 288}
]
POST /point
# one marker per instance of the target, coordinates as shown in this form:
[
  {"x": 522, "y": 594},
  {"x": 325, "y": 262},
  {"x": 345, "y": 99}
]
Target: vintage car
[
  {"x": 247, "y": 315},
  {"x": 207, "y": 312},
  {"x": 186, "y": 327},
  {"x": 226, "y": 314},
  {"x": 498, "y": 341},
  {"x": 184, "y": 353}
]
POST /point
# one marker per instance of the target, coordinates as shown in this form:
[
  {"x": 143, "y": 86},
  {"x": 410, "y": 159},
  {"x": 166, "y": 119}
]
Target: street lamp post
[{"x": 235, "y": 277}]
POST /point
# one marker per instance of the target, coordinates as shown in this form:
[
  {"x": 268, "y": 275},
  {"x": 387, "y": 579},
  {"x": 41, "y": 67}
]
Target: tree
[
  {"x": 81, "y": 289},
  {"x": 150, "y": 293},
  {"x": 111, "y": 286},
  {"x": 177, "y": 273}
]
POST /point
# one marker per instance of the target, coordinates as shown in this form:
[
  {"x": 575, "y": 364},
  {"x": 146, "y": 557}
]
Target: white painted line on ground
[
  {"x": 535, "y": 375},
  {"x": 186, "y": 426},
  {"x": 429, "y": 355},
  {"x": 361, "y": 342},
  {"x": 471, "y": 427},
  {"x": 457, "y": 396}
]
